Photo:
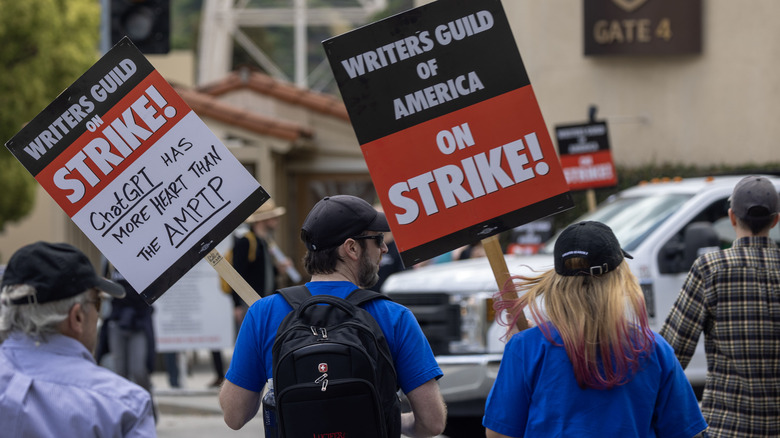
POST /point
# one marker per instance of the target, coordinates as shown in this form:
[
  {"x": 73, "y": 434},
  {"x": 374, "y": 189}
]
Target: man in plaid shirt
[{"x": 733, "y": 296}]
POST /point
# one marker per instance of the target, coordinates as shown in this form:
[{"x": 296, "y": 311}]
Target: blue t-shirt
[
  {"x": 252, "y": 360},
  {"x": 536, "y": 395}
]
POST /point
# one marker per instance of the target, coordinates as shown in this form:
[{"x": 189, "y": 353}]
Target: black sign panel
[{"x": 434, "y": 48}]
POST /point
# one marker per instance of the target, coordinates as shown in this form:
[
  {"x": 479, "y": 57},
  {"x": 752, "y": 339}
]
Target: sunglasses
[{"x": 380, "y": 238}]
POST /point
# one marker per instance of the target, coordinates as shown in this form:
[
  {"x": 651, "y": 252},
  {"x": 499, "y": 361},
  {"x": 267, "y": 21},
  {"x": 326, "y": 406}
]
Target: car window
[
  {"x": 632, "y": 219},
  {"x": 727, "y": 234}
]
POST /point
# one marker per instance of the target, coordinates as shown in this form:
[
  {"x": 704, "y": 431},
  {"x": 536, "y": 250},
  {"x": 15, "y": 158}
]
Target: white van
[{"x": 664, "y": 225}]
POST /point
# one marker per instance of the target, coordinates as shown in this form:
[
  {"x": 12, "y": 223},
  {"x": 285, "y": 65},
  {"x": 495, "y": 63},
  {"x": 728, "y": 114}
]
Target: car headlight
[{"x": 476, "y": 316}]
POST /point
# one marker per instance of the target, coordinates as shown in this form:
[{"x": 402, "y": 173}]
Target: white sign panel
[{"x": 136, "y": 169}]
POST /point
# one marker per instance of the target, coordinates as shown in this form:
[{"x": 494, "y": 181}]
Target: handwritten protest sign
[
  {"x": 449, "y": 125},
  {"x": 137, "y": 171}
]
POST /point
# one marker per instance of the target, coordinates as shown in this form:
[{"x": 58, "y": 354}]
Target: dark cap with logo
[
  {"x": 754, "y": 197},
  {"x": 334, "y": 219},
  {"x": 592, "y": 241},
  {"x": 57, "y": 271}
]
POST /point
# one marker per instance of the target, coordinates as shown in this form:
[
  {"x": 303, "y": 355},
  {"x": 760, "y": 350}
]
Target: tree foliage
[
  {"x": 47, "y": 44},
  {"x": 185, "y": 24}
]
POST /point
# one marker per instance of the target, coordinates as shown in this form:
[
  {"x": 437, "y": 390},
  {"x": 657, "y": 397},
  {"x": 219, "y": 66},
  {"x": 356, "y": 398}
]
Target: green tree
[{"x": 47, "y": 44}]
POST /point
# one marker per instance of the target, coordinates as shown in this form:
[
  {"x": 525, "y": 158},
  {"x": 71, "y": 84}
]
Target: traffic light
[{"x": 145, "y": 22}]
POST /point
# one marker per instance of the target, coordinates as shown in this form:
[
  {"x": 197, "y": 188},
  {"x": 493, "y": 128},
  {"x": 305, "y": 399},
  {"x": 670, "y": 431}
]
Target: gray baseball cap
[{"x": 754, "y": 197}]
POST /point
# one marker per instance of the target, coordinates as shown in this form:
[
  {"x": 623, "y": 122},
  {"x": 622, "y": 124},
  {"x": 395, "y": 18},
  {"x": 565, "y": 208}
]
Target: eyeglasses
[
  {"x": 380, "y": 238},
  {"x": 98, "y": 302}
]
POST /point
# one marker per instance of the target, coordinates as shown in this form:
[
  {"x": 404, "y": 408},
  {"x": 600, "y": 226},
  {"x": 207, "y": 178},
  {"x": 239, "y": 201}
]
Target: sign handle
[
  {"x": 501, "y": 272},
  {"x": 233, "y": 278},
  {"x": 590, "y": 195}
]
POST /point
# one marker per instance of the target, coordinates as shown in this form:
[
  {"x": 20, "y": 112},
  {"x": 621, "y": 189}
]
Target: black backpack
[{"x": 332, "y": 368}]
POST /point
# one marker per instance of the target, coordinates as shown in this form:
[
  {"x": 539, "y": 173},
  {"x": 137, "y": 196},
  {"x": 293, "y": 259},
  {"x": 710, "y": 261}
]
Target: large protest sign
[
  {"x": 137, "y": 170},
  {"x": 449, "y": 125}
]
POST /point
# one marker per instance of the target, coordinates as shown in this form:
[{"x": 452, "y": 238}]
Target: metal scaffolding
[{"x": 223, "y": 23}]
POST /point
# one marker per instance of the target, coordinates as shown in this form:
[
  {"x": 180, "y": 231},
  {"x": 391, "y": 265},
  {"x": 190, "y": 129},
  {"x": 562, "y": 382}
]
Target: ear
[
  {"x": 74, "y": 324},
  {"x": 774, "y": 222},
  {"x": 733, "y": 218},
  {"x": 351, "y": 249}
]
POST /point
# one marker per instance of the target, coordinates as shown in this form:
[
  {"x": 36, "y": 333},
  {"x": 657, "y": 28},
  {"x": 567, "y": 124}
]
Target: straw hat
[{"x": 268, "y": 210}]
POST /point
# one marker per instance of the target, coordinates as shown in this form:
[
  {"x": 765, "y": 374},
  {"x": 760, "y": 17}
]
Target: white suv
[{"x": 664, "y": 225}]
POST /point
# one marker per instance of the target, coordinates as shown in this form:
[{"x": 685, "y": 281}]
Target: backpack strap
[
  {"x": 295, "y": 295},
  {"x": 359, "y": 297}
]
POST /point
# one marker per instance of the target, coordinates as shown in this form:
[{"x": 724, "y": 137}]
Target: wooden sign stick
[
  {"x": 233, "y": 278},
  {"x": 501, "y": 272}
]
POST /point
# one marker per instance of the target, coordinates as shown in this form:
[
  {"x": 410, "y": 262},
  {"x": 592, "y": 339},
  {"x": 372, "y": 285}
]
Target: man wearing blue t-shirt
[{"x": 340, "y": 258}]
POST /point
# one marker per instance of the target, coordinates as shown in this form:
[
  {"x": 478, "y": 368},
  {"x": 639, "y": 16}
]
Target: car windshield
[{"x": 632, "y": 219}]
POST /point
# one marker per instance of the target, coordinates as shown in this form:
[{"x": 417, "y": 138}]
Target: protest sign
[
  {"x": 194, "y": 314},
  {"x": 137, "y": 170},
  {"x": 585, "y": 155},
  {"x": 449, "y": 125}
]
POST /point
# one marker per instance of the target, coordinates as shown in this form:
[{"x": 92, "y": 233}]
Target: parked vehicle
[{"x": 664, "y": 225}]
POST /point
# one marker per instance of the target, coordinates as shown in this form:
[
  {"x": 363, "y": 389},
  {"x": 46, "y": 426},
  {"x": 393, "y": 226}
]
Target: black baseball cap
[
  {"x": 335, "y": 219},
  {"x": 593, "y": 241},
  {"x": 754, "y": 197},
  {"x": 56, "y": 271}
]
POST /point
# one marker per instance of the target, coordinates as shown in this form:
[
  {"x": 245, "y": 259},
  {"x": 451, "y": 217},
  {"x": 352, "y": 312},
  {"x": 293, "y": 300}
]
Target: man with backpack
[{"x": 344, "y": 241}]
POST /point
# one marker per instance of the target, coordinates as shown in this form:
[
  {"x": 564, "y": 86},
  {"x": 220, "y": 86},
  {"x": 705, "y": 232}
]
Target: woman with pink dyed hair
[{"x": 590, "y": 366}]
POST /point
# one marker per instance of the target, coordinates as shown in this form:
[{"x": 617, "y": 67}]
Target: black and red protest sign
[
  {"x": 137, "y": 171},
  {"x": 448, "y": 124},
  {"x": 585, "y": 155}
]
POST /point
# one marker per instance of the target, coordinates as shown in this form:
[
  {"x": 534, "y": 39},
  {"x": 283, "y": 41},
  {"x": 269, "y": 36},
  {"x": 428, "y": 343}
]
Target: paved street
[{"x": 193, "y": 411}]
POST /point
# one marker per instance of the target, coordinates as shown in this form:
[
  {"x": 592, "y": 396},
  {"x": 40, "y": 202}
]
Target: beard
[{"x": 368, "y": 272}]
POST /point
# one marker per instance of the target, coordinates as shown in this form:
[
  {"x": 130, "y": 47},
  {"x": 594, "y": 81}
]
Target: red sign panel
[{"x": 466, "y": 167}]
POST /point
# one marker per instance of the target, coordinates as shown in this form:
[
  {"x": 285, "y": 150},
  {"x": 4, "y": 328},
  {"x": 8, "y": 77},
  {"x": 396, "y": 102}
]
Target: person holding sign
[
  {"x": 50, "y": 384},
  {"x": 591, "y": 366},
  {"x": 344, "y": 241}
]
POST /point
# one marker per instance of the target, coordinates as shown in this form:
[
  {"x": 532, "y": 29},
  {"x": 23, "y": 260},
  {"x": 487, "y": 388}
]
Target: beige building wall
[
  {"x": 718, "y": 107},
  {"x": 47, "y": 222}
]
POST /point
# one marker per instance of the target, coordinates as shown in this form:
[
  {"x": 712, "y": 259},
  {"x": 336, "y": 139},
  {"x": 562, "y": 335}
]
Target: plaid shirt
[{"x": 733, "y": 296}]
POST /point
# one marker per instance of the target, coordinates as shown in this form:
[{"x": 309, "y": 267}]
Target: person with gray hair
[{"x": 50, "y": 384}]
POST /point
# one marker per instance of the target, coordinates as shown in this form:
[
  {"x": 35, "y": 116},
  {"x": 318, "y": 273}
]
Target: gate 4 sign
[
  {"x": 585, "y": 156},
  {"x": 137, "y": 171},
  {"x": 448, "y": 124}
]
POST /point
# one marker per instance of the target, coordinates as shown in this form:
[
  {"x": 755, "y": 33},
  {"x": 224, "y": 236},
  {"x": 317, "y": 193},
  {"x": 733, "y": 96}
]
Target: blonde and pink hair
[{"x": 602, "y": 320}]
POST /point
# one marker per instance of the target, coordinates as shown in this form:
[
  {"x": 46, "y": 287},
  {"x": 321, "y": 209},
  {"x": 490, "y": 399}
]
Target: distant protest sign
[
  {"x": 449, "y": 125},
  {"x": 194, "y": 314},
  {"x": 585, "y": 155},
  {"x": 137, "y": 170}
]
